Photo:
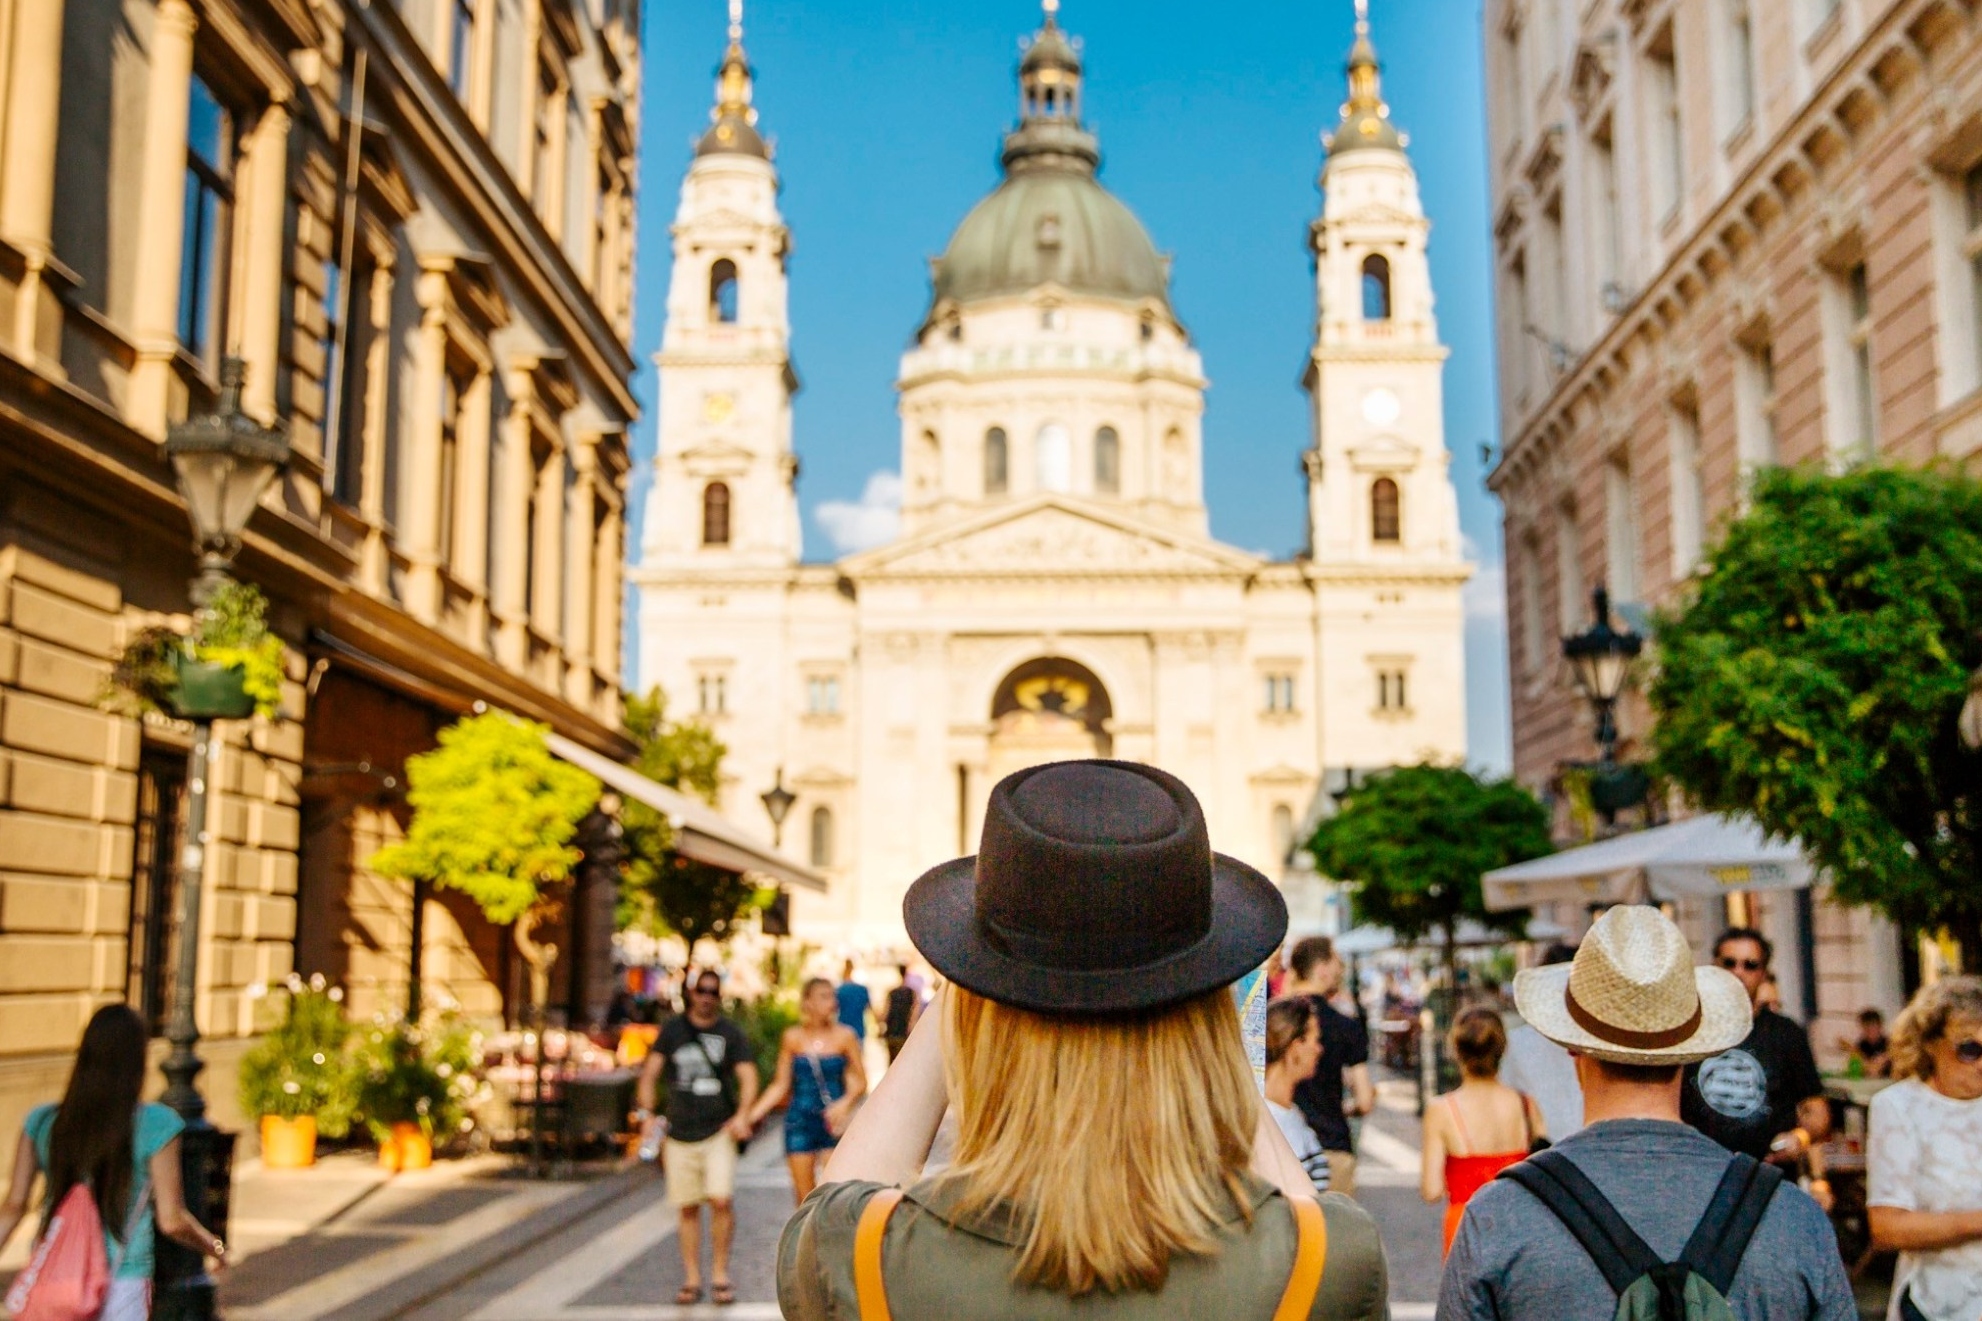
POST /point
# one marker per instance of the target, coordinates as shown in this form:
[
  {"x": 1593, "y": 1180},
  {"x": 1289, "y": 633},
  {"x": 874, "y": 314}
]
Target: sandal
[
  {"x": 688, "y": 1295},
  {"x": 722, "y": 1294}
]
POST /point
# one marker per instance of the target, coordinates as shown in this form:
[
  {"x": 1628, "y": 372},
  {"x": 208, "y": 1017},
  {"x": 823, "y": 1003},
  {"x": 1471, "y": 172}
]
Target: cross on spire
[{"x": 1052, "y": 8}]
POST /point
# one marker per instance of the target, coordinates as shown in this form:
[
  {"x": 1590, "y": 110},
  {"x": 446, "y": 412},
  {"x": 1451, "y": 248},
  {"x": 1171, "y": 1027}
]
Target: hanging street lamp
[
  {"x": 224, "y": 461},
  {"x": 1601, "y": 659}
]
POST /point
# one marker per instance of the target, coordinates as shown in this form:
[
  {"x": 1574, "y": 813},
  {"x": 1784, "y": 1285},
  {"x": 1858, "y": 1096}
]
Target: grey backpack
[{"x": 1695, "y": 1287}]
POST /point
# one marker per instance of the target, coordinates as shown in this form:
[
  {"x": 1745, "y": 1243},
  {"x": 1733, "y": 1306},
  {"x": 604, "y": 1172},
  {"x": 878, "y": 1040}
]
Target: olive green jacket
[{"x": 936, "y": 1265}]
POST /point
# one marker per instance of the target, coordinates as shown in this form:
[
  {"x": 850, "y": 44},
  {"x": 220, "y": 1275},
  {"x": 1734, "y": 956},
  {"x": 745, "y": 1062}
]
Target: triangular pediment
[
  {"x": 717, "y": 458},
  {"x": 1383, "y": 454},
  {"x": 1051, "y": 535}
]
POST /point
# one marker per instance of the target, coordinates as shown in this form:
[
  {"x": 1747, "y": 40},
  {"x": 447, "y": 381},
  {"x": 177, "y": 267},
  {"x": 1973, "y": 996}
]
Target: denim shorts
[{"x": 805, "y": 1132}]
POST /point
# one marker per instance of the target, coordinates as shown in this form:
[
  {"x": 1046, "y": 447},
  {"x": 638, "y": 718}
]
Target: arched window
[
  {"x": 1107, "y": 461},
  {"x": 822, "y": 837},
  {"x": 1053, "y": 458},
  {"x": 715, "y": 514},
  {"x": 1386, "y": 517},
  {"x": 997, "y": 462},
  {"x": 1283, "y": 831},
  {"x": 722, "y": 292},
  {"x": 1376, "y": 288}
]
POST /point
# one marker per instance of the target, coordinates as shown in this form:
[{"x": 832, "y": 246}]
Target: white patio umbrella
[
  {"x": 1704, "y": 855},
  {"x": 1471, "y": 935}
]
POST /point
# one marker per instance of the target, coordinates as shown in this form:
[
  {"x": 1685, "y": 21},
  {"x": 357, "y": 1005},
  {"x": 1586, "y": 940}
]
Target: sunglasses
[
  {"x": 1969, "y": 1052},
  {"x": 711, "y": 991},
  {"x": 1744, "y": 965}
]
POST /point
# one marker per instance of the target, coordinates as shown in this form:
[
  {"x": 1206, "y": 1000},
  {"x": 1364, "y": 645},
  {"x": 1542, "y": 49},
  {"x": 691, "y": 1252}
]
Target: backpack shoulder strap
[
  {"x": 1565, "y": 1190},
  {"x": 868, "y": 1287},
  {"x": 1310, "y": 1259},
  {"x": 1733, "y": 1215}
]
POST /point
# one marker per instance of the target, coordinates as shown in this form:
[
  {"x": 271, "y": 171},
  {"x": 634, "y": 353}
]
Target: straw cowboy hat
[
  {"x": 1633, "y": 996},
  {"x": 1094, "y": 891}
]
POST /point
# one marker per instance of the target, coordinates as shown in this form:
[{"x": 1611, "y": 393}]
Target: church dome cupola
[
  {"x": 733, "y": 129},
  {"x": 1365, "y": 118},
  {"x": 1051, "y": 221}
]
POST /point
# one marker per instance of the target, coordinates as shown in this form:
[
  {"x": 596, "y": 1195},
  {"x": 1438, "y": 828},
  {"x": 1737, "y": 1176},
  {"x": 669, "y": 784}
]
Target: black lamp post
[
  {"x": 1601, "y": 658},
  {"x": 224, "y": 461},
  {"x": 777, "y": 805}
]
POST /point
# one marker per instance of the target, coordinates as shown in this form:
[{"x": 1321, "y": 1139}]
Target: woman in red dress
[{"x": 1479, "y": 1129}]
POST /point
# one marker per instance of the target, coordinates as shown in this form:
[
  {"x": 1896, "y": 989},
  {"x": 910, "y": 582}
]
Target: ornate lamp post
[
  {"x": 224, "y": 461},
  {"x": 1601, "y": 657},
  {"x": 777, "y": 805}
]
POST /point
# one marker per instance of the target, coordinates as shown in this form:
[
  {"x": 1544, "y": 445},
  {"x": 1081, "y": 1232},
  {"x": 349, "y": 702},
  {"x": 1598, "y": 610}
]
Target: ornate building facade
[
  {"x": 413, "y": 222},
  {"x": 1054, "y": 591},
  {"x": 1730, "y": 234}
]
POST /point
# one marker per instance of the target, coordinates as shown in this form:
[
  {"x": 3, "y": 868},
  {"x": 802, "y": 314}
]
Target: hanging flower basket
[{"x": 207, "y": 690}]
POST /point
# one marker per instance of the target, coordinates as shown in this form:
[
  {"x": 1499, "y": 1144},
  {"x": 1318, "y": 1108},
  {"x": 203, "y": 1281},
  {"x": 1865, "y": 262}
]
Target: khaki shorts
[
  {"x": 1342, "y": 1173},
  {"x": 700, "y": 1172}
]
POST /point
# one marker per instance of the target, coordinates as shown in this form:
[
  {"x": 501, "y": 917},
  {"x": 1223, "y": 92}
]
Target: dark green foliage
[
  {"x": 1815, "y": 676},
  {"x": 232, "y": 632},
  {"x": 301, "y": 1068},
  {"x": 764, "y": 1021},
  {"x": 659, "y": 888},
  {"x": 410, "y": 1075},
  {"x": 1413, "y": 842}
]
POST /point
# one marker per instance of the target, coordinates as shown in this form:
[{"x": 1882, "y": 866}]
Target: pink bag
[{"x": 69, "y": 1275}]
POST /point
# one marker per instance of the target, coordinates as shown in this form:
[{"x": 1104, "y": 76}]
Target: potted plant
[
  {"x": 228, "y": 668},
  {"x": 296, "y": 1079},
  {"x": 403, "y": 1094}
]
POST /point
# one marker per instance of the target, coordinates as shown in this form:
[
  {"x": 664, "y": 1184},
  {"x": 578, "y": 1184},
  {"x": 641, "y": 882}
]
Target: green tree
[
  {"x": 660, "y": 889},
  {"x": 493, "y": 817},
  {"x": 1413, "y": 843},
  {"x": 1814, "y": 676}
]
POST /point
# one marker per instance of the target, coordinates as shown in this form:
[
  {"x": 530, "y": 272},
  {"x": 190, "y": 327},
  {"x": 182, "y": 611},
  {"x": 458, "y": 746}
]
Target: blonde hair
[
  {"x": 1925, "y": 1020},
  {"x": 1116, "y": 1142}
]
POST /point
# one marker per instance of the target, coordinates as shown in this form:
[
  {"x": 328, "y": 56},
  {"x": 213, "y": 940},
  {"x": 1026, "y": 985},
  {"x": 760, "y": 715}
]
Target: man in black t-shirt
[
  {"x": 903, "y": 1007},
  {"x": 1316, "y": 972},
  {"x": 1764, "y": 1097},
  {"x": 711, "y": 1081}
]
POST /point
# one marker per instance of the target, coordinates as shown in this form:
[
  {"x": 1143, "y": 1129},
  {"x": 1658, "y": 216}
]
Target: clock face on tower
[
  {"x": 1381, "y": 407},
  {"x": 718, "y": 407}
]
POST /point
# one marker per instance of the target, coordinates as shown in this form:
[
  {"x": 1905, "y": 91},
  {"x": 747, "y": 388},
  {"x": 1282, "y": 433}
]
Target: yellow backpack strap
[
  {"x": 867, "y": 1285},
  {"x": 1310, "y": 1257}
]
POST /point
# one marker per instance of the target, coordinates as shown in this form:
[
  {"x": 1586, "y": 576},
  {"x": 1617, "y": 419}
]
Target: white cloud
[
  {"x": 873, "y": 520},
  {"x": 1486, "y": 594}
]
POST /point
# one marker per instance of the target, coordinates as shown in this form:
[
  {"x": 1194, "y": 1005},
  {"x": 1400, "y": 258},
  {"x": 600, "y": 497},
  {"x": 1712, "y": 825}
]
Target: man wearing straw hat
[{"x": 1633, "y": 1011}]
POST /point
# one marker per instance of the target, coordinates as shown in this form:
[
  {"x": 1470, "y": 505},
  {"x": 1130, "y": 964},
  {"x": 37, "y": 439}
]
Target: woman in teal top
[{"x": 126, "y": 1152}]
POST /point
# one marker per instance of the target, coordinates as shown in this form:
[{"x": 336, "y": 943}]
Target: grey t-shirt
[{"x": 1513, "y": 1259}]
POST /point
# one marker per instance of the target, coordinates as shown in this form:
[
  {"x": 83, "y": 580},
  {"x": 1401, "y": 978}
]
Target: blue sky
[{"x": 887, "y": 118}]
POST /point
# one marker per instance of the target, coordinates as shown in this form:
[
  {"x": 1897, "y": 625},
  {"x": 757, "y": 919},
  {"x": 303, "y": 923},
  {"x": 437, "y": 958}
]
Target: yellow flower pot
[
  {"x": 406, "y": 1147},
  {"x": 289, "y": 1144}
]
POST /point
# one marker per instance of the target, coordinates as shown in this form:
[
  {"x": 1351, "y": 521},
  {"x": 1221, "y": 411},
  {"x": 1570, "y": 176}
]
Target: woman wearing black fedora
[{"x": 1113, "y": 1154}]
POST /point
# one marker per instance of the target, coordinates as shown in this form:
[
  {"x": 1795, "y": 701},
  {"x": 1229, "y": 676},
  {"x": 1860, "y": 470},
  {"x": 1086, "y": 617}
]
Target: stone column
[
  {"x": 579, "y": 532},
  {"x": 515, "y": 489},
  {"x": 265, "y": 201},
  {"x": 547, "y": 597},
  {"x": 27, "y": 207},
  {"x": 473, "y": 459},
  {"x": 608, "y": 555},
  {"x": 162, "y": 202},
  {"x": 419, "y": 515}
]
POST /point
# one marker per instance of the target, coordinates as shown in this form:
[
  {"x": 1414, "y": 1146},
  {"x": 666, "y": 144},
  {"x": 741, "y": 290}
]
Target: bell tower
[
  {"x": 725, "y": 477},
  {"x": 1378, "y": 486}
]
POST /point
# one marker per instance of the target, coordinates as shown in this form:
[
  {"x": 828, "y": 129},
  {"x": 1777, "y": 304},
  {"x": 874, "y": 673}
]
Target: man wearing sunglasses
[{"x": 1764, "y": 1097}]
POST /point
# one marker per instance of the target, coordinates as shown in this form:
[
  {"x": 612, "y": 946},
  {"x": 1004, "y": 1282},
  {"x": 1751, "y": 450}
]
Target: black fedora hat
[{"x": 1095, "y": 891}]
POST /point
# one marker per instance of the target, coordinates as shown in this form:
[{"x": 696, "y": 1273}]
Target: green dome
[{"x": 1051, "y": 226}]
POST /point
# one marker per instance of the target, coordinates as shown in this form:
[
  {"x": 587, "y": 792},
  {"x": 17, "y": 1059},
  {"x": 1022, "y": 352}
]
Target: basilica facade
[{"x": 1055, "y": 591}]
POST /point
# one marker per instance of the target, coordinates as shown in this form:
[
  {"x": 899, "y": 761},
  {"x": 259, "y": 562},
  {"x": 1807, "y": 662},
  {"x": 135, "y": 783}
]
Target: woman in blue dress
[{"x": 820, "y": 1073}]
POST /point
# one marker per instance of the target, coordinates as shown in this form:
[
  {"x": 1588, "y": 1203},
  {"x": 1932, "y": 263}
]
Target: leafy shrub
[
  {"x": 232, "y": 632},
  {"x": 764, "y": 1022},
  {"x": 302, "y": 1067},
  {"x": 416, "y": 1075}
]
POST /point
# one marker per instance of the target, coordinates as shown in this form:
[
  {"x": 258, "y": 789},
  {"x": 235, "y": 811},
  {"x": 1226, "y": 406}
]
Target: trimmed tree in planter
[{"x": 494, "y": 814}]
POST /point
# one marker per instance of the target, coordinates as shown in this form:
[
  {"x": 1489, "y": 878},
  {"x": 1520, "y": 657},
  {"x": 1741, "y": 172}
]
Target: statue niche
[{"x": 1048, "y": 710}]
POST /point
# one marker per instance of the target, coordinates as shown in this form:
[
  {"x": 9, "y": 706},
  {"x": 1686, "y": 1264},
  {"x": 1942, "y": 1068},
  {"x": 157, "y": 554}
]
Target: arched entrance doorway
[{"x": 1046, "y": 710}]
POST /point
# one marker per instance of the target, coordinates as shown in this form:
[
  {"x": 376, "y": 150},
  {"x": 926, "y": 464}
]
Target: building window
[
  {"x": 1668, "y": 136},
  {"x": 1608, "y": 225},
  {"x": 1755, "y": 407},
  {"x": 454, "y": 389},
  {"x": 151, "y": 953},
  {"x": 712, "y": 694},
  {"x": 1853, "y": 402},
  {"x": 723, "y": 292},
  {"x": 715, "y": 514},
  {"x": 543, "y": 128},
  {"x": 1391, "y": 692},
  {"x": 1621, "y": 530},
  {"x": 1735, "y": 98},
  {"x": 1386, "y": 515},
  {"x": 1279, "y": 694},
  {"x": 822, "y": 695},
  {"x": 1534, "y": 630},
  {"x": 203, "y": 261},
  {"x": 997, "y": 461},
  {"x": 1863, "y": 397},
  {"x": 1283, "y": 832},
  {"x": 347, "y": 419},
  {"x": 1689, "y": 492},
  {"x": 1053, "y": 459},
  {"x": 1376, "y": 288},
  {"x": 1107, "y": 461},
  {"x": 460, "y": 46},
  {"x": 1568, "y": 570},
  {"x": 822, "y": 837}
]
